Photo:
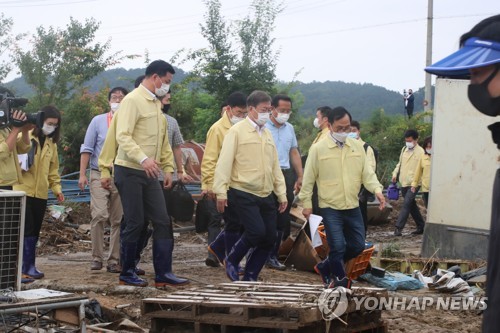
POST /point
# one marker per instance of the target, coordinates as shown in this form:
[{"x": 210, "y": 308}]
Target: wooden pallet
[{"x": 229, "y": 307}]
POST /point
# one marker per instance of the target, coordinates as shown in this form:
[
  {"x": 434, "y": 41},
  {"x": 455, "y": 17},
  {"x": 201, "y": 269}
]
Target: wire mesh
[{"x": 11, "y": 224}]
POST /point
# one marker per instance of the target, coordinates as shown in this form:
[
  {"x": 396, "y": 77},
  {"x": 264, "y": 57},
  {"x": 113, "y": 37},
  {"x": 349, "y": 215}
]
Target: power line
[
  {"x": 376, "y": 26},
  {"x": 48, "y": 4}
]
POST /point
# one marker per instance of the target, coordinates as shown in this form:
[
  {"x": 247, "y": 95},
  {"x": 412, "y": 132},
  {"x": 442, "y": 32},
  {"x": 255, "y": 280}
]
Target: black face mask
[
  {"x": 165, "y": 108},
  {"x": 481, "y": 99}
]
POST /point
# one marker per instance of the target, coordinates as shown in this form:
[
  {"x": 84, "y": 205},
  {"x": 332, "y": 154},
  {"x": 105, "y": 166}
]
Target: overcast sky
[{"x": 381, "y": 42}]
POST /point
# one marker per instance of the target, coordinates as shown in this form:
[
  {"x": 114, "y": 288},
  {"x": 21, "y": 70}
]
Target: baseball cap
[{"x": 475, "y": 53}]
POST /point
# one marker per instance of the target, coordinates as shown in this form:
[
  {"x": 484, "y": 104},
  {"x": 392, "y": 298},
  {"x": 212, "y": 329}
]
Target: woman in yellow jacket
[
  {"x": 423, "y": 171},
  {"x": 41, "y": 172}
]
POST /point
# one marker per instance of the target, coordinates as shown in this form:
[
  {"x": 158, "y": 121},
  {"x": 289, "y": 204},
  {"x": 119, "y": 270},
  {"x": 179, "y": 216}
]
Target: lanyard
[{"x": 110, "y": 116}]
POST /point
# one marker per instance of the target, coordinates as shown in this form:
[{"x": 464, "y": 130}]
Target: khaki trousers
[{"x": 105, "y": 205}]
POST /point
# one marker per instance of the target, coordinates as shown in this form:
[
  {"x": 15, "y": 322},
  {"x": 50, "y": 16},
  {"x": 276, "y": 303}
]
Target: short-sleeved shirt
[
  {"x": 174, "y": 132},
  {"x": 284, "y": 139},
  {"x": 94, "y": 138},
  {"x": 174, "y": 138}
]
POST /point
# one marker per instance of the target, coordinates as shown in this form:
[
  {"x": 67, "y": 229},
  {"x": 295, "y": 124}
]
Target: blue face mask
[{"x": 353, "y": 135}]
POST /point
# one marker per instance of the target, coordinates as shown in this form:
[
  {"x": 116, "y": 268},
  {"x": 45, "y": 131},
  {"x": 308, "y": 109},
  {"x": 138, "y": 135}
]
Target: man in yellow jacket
[
  {"x": 234, "y": 112},
  {"x": 246, "y": 175},
  {"x": 321, "y": 123},
  {"x": 404, "y": 173},
  {"x": 143, "y": 149},
  {"x": 423, "y": 172},
  {"x": 338, "y": 165}
]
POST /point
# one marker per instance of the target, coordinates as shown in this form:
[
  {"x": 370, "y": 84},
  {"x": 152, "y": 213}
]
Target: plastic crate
[{"x": 357, "y": 266}]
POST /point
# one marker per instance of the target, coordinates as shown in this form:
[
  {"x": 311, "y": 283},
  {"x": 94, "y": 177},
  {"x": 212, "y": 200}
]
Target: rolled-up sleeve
[{"x": 90, "y": 139}]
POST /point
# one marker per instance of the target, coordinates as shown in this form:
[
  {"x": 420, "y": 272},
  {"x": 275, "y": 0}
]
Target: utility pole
[{"x": 428, "y": 58}]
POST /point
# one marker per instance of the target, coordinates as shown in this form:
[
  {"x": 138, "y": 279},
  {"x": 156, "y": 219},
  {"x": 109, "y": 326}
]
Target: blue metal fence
[{"x": 72, "y": 192}]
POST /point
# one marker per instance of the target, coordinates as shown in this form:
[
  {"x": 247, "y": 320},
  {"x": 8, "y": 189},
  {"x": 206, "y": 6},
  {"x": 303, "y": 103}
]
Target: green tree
[
  {"x": 239, "y": 57},
  {"x": 60, "y": 61},
  {"x": 6, "y": 42},
  {"x": 76, "y": 116}
]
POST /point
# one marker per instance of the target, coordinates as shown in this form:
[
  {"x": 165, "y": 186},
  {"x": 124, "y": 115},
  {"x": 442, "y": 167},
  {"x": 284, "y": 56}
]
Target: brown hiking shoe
[
  {"x": 96, "y": 265},
  {"x": 114, "y": 268}
]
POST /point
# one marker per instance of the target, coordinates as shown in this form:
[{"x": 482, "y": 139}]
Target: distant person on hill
[{"x": 409, "y": 103}]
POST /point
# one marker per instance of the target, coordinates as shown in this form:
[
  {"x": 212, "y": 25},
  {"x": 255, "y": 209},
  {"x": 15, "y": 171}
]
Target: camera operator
[
  {"x": 40, "y": 172},
  {"x": 10, "y": 145}
]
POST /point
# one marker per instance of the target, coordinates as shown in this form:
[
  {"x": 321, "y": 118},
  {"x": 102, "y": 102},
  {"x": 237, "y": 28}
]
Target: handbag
[
  {"x": 180, "y": 203},
  {"x": 393, "y": 192}
]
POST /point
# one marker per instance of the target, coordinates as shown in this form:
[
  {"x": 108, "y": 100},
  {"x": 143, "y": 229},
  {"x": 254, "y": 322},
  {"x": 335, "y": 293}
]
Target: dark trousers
[
  {"x": 363, "y": 208},
  {"x": 142, "y": 199},
  {"x": 283, "y": 223},
  {"x": 491, "y": 316},
  {"x": 215, "y": 222},
  {"x": 425, "y": 196},
  {"x": 257, "y": 215},
  {"x": 6, "y": 188},
  {"x": 409, "y": 207},
  {"x": 231, "y": 217},
  {"x": 35, "y": 211},
  {"x": 409, "y": 111}
]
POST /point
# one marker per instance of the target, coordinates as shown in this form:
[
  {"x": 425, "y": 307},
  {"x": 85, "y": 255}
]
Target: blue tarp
[{"x": 393, "y": 281}]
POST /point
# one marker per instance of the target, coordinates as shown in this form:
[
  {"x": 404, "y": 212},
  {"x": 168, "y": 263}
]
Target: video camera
[{"x": 9, "y": 103}]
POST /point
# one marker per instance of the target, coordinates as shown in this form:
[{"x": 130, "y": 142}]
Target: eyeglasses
[
  {"x": 116, "y": 98},
  {"x": 340, "y": 129},
  {"x": 239, "y": 113},
  {"x": 264, "y": 110}
]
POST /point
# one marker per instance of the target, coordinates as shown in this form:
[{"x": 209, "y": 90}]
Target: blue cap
[{"x": 475, "y": 53}]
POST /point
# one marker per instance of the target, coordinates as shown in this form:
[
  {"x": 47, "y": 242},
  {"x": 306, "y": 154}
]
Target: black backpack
[{"x": 180, "y": 203}]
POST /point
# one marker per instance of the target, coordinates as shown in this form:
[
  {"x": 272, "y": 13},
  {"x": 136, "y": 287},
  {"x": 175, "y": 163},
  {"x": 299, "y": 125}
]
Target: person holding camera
[
  {"x": 40, "y": 172},
  {"x": 10, "y": 145},
  {"x": 409, "y": 103}
]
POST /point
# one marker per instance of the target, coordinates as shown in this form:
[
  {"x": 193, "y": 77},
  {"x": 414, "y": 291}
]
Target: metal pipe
[{"x": 53, "y": 306}]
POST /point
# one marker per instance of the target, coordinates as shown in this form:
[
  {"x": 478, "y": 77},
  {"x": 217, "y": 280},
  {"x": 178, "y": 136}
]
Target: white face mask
[
  {"x": 114, "y": 106},
  {"x": 262, "y": 119},
  {"x": 163, "y": 90},
  {"x": 282, "y": 118},
  {"x": 353, "y": 135},
  {"x": 48, "y": 129},
  {"x": 428, "y": 151},
  {"x": 316, "y": 122},
  {"x": 410, "y": 145},
  {"x": 340, "y": 137},
  {"x": 234, "y": 120}
]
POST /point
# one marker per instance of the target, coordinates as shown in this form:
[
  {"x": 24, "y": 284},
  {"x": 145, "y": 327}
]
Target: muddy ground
[{"x": 65, "y": 259}]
